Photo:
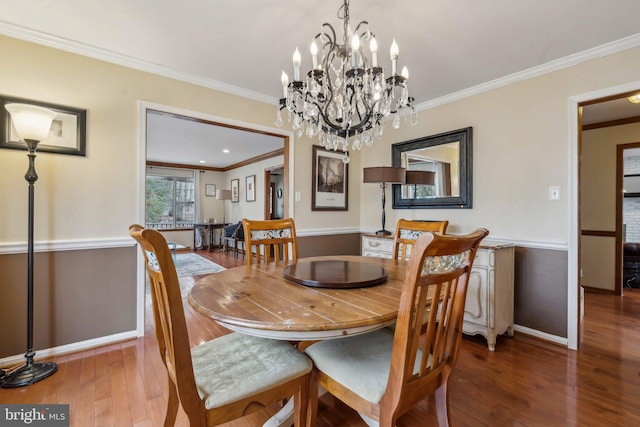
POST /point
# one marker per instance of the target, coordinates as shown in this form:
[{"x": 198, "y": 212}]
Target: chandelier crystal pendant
[{"x": 345, "y": 97}]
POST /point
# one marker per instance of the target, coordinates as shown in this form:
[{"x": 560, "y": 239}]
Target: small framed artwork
[
  {"x": 329, "y": 189},
  {"x": 251, "y": 188},
  {"x": 68, "y": 129},
  {"x": 235, "y": 190},
  {"x": 210, "y": 190}
]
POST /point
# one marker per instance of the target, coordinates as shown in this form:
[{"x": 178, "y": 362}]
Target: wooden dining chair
[
  {"x": 382, "y": 374},
  {"x": 227, "y": 377},
  {"x": 270, "y": 240},
  {"x": 407, "y": 231}
]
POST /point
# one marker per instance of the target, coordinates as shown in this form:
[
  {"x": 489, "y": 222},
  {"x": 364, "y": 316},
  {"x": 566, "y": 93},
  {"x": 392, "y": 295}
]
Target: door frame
[{"x": 573, "y": 265}]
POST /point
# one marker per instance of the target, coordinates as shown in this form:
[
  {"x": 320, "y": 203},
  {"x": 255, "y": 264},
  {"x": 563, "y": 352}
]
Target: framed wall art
[
  {"x": 68, "y": 130},
  {"x": 329, "y": 188},
  {"x": 250, "y": 190},
  {"x": 235, "y": 190},
  {"x": 210, "y": 190}
]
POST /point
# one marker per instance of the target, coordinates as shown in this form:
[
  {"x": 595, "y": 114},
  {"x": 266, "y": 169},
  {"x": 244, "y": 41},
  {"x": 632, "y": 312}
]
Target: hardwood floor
[{"x": 525, "y": 382}]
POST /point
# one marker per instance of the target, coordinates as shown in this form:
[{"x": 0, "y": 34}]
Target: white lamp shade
[
  {"x": 223, "y": 194},
  {"x": 30, "y": 121}
]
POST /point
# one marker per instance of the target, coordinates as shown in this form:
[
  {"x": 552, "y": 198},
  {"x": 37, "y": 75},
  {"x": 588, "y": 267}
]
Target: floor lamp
[
  {"x": 384, "y": 175},
  {"x": 32, "y": 125},
  {"x": 223, "y": 195}
]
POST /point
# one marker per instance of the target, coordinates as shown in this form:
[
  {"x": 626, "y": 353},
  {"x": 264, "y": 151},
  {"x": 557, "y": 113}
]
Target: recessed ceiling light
[
  {"x": 634, "y": 98},
  {"x": 226, "y": 150},
  {"x": 203, "y": 161}
]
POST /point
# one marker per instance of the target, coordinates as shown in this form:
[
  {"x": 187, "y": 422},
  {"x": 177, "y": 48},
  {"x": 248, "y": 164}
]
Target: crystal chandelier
[{"x": 345, "y": 97}]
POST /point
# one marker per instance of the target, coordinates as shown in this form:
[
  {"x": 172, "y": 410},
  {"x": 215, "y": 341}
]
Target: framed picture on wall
[
  {"x": 235, "y": 190},
  {"x": 67, "y": 135},
  {"x": 210, "y": 190},
  {"x": 329, "y": 188},
  {"x": 251, "y": 188}
]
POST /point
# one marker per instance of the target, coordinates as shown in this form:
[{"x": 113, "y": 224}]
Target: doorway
[
  {"x": 607, "y": 127},
  {"x": 143, "y": 108}
]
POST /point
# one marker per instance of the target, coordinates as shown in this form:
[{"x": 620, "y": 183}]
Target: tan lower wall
[
  {"x": 331, "y": 244},
  {"x": 540, "y": 293},
  {"x": 78, "y": 295}
]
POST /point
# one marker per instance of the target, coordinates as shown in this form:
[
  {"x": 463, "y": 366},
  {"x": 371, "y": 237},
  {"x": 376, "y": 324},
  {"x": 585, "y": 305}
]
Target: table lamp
[
  {"x": 420, "y": 178},
  {"x": 384, "y": 175},
  {"x": 32, "y": 125}
]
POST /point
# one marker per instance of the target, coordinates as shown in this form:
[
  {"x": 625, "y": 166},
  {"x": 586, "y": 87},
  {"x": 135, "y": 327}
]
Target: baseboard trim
[
  {"x": 71, "y": 348},
  {"x": 542, "y": 335}
]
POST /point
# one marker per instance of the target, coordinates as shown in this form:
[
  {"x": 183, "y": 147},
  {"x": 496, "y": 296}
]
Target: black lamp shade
[
  {"x": 420, "y": 177},
  {"x": 385, "y": 174}
]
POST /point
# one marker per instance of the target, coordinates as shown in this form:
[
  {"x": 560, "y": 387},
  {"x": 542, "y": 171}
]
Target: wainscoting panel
[
  {"x": 540, "y": 294},
  {"x": 329, "y": 244},
  {"x": 79, "y": 295}
]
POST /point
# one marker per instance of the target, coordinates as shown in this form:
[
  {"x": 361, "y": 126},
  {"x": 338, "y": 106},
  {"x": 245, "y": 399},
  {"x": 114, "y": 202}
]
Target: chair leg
[
  {"x": 172, "y": 406},
  {"x": 313, "y": 401},
  {"x": 442, "y": 405},
  {"x": 301, "y": 401}
]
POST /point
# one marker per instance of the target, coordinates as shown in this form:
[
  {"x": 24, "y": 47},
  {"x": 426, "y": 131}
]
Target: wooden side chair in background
[
  {"x": 227, "y": 377},
  {"x": 383, "y": 374},
  {"x": 270, "y": 240},
  {"x": 408, "y": 231}
]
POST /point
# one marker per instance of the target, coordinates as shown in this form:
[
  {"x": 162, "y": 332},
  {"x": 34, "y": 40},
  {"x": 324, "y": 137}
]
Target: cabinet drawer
[
  {"x": 377, "y": 244},
  {"x": 376, "y": 254}
]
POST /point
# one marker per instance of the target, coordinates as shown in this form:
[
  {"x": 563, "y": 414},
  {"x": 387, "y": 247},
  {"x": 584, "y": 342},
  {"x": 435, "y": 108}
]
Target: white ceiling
[
  {"x": 184, "y": 141},
  {"x": 451, "y": 48}
]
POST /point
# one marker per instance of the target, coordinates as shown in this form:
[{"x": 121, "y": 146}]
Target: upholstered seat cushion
[
  {"x": 235, "y": 366},
  {"x": 361, "y": 363}
]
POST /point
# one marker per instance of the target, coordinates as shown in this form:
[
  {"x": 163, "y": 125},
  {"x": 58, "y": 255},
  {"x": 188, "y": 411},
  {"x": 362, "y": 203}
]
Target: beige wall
[
  {"x": 520, "y": 147},
  {"x": 598, "y": 201}
]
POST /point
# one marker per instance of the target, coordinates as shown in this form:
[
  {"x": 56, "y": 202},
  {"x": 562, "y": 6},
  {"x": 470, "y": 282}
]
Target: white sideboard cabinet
[{"x": 489, "y": 306}]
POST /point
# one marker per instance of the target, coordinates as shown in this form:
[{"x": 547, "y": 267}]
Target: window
[{"x": 170, "y": 199}]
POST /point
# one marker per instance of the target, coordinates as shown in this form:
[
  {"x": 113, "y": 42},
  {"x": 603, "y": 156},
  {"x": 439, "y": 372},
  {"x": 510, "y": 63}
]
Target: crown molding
[
  {"x": 540, "y": 70},
  {"x": 67, "y": 45}
]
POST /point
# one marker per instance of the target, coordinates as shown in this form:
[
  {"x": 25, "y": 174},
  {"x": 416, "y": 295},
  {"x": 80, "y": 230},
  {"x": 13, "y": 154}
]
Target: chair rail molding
[{"x": 67, "y": 245}]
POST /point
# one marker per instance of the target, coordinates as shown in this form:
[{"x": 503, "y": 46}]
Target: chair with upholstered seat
[
  {"x": 382, "y": 374},
  {"x": 407, "y": 231},
  {"x": 270, "y": 240},
  {"x": 227, "y": 377}
]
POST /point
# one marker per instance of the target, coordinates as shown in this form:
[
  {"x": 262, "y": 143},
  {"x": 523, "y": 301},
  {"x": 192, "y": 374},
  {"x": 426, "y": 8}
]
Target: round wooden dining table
[{"x": 259, "y": 300}]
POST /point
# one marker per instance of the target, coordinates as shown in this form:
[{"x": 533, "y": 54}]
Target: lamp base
[
  {"x": 383, "y": 233},
  {"x": 28, "y": 374}
]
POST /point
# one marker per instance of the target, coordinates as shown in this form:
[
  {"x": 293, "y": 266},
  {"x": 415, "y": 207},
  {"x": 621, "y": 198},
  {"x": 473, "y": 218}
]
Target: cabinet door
[{"x": 475, "y": 309}]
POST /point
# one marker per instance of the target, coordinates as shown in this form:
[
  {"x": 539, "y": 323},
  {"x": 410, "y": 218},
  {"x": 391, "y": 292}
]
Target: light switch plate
[{"x": 554, "y": 193}]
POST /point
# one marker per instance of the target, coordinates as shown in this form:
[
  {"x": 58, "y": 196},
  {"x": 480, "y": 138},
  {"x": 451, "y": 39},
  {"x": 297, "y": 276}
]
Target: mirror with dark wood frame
[{"x": 439, "y": 171}]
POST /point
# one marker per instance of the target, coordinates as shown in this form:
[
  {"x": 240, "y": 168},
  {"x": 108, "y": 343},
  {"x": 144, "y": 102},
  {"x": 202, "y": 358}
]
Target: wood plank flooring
[{"x": 525, "y": 382}]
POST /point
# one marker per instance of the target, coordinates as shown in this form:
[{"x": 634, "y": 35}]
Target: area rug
[{"x": 190, "y": 264}]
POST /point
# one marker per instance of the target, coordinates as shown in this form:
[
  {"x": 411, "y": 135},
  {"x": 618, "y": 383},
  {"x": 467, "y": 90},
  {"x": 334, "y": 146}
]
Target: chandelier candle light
[{"x": 345, "y": 97}]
